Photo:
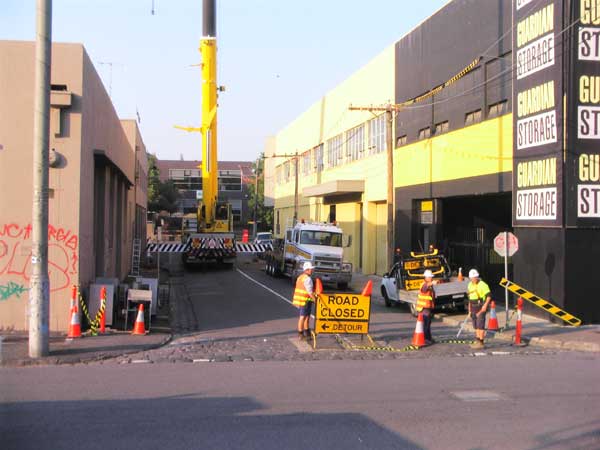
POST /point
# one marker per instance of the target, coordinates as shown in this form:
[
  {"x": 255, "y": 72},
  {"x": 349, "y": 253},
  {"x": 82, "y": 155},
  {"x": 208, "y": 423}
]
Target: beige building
[{"x": 97, "y": 181}]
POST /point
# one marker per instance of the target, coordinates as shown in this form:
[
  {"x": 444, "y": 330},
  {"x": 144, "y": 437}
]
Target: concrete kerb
[
  {"x": 540, "y": 341},
  {"x": 86, "y": 357}
]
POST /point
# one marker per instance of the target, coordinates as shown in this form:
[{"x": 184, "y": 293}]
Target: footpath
[
  {"x": 536, "y": 331},
  {"x": 118, "y": 342}
]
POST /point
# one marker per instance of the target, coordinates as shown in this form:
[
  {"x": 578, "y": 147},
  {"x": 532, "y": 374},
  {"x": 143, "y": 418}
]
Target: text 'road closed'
[{"x": 343, "y": 313}]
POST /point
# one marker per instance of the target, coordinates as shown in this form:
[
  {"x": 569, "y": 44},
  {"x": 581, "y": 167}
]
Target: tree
[
  {"x": 264, "y": 214},
  {"x": 162, "y": 196}
]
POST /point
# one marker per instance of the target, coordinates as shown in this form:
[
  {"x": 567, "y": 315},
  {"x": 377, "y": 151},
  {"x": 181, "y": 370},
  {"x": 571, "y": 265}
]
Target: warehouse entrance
[{"x": 468, "y": 227}]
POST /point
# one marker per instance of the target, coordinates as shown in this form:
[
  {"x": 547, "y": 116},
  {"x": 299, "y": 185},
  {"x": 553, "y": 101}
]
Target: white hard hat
[
  {"x": 473, "y": 273},
  {"x": 307, "y": 266},
  {"x": 428, "y": 274}
]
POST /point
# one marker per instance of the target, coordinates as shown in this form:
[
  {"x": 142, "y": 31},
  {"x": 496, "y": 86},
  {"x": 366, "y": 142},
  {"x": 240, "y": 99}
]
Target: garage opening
[{"x": 469, "y": 225}]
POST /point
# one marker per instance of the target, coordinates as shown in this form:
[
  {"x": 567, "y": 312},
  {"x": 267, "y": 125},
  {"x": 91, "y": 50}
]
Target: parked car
[
  {"x": 266, "y": 239},
  {"x": 263, "y": 238}
]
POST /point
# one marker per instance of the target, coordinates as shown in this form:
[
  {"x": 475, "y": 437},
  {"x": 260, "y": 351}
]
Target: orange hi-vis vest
[
  {"x": 301, "y": 295},
  {"x": 424, "y": 300}
]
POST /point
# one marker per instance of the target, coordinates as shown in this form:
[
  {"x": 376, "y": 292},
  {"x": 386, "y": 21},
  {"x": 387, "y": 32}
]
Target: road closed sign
[{"x": 342, "y": 313}]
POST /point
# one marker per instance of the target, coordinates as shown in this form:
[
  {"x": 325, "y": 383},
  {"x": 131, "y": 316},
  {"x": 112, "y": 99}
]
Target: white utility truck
[{"x": 319, "y": 243}]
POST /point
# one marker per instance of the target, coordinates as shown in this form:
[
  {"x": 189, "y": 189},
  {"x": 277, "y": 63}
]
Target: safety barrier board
[
  {"x": 181, "y": 248},
  {"x": 540, "y": 302}
]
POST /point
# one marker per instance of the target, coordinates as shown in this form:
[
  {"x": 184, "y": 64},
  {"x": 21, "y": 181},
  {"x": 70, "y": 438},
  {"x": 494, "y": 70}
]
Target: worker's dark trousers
[{"x": 427, "y": 318}]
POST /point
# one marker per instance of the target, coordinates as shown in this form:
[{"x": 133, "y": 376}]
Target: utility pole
[
  {"x": 389, "y": 139},
  {"x": 39, "y": 284},
  {"x": 255, "y": 202}
]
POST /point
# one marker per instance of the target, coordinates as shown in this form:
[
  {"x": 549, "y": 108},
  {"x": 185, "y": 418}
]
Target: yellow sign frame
[{"x": 342, "y": 313}]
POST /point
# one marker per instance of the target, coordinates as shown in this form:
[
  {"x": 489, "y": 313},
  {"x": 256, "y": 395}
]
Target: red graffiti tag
[{"x": 15, "y": 256}]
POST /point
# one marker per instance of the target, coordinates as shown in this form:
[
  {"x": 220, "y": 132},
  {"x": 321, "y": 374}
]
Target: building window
[
  {"x": 402, "y": 140},
  {"x": 286, "y": 171},
  {"x": 176, "y": 174},
  {"x": 473, "y": 117},
  {"x": 334, "y": 150},
  {"x": 424, "y": 133},
  {"x": 442, "y": 127},
  {"x": 236, "y": 209},
  {"x": 230, "y": 180},
  {"x": 319, "y": 158},
  {"x": 306, "y": 163},
  {"x": 355, "y": 146},
  {"x": 498, "y": 109},
  {"x": 377, "y": 133}
]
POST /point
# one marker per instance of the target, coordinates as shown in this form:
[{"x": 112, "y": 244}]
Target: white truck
[
  {"x": 319, "y": 243},
  {"x": 401, "y": 284}
]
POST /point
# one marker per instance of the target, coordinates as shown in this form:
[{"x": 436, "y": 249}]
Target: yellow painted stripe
[{"x": 540, "y": 302}]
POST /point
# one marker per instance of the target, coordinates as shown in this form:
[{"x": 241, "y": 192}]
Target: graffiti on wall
[
  {"x": 16, "y": 255},
  {"x": 10, "y": 289}
]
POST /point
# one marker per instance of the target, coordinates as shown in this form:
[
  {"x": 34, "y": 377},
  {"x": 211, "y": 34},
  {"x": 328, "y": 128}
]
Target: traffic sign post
[
  {"x": 342, "y": 313},
  {"x": 506, "y": 244}
]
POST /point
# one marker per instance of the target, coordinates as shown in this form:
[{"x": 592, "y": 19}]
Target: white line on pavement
[
  {"x": 268, "y": 289},
  {"x": 265, "y": 287}
]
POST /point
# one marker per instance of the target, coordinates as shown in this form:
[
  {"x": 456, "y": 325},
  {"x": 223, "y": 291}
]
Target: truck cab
[{"x": 319, "y": 243}]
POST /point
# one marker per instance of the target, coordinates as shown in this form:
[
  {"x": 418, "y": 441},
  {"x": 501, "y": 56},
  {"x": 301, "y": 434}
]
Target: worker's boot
[
  {"x": 300, "y": 335},
  {"x": 477, "y": 345}
]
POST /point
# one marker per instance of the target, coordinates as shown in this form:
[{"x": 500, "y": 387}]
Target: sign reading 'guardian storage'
[
  {"x": 537, "y": 113},
  {"x": 583, "y": 147}
]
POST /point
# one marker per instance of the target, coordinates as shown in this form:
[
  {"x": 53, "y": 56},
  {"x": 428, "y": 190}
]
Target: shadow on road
[{"x": 185, "y": 422}]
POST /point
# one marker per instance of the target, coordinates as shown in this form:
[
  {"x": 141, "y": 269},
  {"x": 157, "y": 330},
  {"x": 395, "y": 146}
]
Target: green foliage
[
  {"x": 264, "y": 215},
  {"x": 162, "y": 196}
]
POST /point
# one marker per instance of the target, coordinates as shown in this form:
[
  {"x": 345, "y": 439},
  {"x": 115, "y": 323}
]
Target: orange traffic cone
[
  {"x": 460, "y": 275},
  {"x": 103, "y": 316},
  {"x": 318, "y": 286},
  {"x": 138, "y": 327},
  {"x": 419, "y": 336},
  {"x": 493, "y": 322},
  {"x": 368, "y": 289},
  {"x": 75, "y": 325}
]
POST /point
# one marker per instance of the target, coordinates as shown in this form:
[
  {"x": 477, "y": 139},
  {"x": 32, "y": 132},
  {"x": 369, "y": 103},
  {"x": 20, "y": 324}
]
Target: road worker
[
  {"x": 425, "y": 304},
  {"x": 479, "y": 299},
  {"x": 304, "y": 296}
]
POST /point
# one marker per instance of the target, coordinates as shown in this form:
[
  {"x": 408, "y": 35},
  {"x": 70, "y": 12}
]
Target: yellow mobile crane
[{"x": 214, "y": 240}]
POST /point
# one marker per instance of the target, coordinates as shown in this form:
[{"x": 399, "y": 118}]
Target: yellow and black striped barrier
[
  {"x": 540, "y": 302},
  {"x": 94, "y": 324}
]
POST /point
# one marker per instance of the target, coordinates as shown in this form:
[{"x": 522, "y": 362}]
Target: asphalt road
[{"x": 522, "y": 402}]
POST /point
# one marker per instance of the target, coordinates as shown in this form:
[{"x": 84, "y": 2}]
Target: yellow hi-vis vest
[
  {"x": 301, "y": 295},
  {"x": 478, "y": 292},
  {"x": 424, "y": 300}
]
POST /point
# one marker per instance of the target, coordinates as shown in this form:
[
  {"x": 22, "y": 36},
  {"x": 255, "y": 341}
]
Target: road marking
[
  {"x": 476, "y": 396},
  {"x": 265, "y": 287}
]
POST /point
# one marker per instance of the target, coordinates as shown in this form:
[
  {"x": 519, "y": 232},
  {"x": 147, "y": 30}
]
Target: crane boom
[
  {"x": 214, "y": 240},
  {"x": 213, "y": 216}
]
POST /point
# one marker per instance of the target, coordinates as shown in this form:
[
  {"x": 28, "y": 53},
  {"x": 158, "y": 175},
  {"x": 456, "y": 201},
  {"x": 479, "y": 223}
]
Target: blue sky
[{"x": 276, "y": 58}]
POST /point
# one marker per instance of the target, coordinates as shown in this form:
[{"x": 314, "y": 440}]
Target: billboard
[
  {"x": 538, "y": 113},
  {"x": 583, "y": 98}
]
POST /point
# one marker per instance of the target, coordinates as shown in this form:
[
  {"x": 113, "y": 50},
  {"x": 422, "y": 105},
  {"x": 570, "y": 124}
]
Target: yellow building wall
[
  {"x": 373, "y": 84},
  {"x": 481, "y": 149}
]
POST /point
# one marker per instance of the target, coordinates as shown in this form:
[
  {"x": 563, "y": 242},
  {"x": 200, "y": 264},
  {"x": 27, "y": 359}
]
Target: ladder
[{"x": 135, "y": 257}]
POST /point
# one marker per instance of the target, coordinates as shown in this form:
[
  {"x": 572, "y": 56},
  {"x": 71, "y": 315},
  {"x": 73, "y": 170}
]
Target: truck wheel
[
  {"x": 268, "y": 267},
  {"x": 388, "y": 302},
  {"x": 413, "y": 310}
]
